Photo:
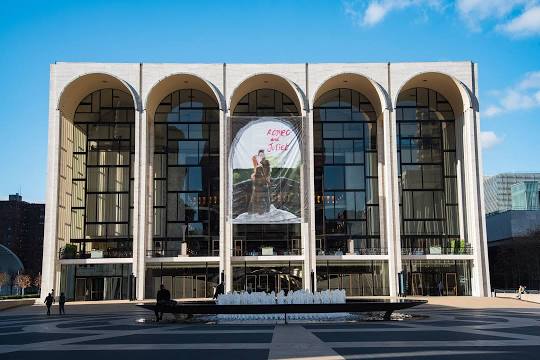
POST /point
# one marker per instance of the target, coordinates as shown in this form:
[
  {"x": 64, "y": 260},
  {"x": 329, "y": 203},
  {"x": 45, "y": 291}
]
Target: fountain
[{"x": 292, "y": 297}]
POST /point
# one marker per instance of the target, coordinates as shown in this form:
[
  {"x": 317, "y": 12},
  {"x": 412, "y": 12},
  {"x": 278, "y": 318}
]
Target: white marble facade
[{"x": 381, "y": 83}]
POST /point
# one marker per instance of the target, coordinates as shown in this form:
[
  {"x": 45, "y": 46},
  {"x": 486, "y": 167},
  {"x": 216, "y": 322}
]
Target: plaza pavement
[{"x": 455, "y": 328}]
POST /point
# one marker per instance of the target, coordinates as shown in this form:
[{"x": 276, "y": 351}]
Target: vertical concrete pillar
[
  {"x": 223, "y": 196},
  {"x": 473, "y": 209},
  {"x": 50, "y": 253},
  {"x": 309, "y": 239},
  {"x": 142, "y": 205},
  {"x": 391, "y": 200}
]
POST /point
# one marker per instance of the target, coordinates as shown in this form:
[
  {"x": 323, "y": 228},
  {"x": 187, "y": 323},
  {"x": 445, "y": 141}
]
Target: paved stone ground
[{"x": 111, "y": 331}]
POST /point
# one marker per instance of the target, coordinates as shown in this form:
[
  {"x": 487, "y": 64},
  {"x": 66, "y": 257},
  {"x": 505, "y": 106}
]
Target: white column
[
  {"x": 227, "y": 254},
  {"x": 223, "y": 198},
  {"x": 393, "y": 220},
  {"x": 310, "y": 246},
  {"x": 141, "y": 206},
  {"x": 50, "y": 253},
  {"x": 483, "y": 248},
  {"x": 50, "y": 235},
  {"x": 472, "y": 204}
]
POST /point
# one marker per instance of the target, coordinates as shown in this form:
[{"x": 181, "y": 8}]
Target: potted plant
[{"x": 70, "y": 251}]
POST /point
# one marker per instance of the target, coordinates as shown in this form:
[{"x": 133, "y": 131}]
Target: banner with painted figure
[{"x": 265, "y": 159}]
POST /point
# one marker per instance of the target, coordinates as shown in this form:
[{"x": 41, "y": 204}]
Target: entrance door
[
  {"x": 96, "y": 289},
  {"x": 366, "y": 281},
  {"x": 200, "y": 286},
  {"x": 263, "y": 283},
  {"x": 416, "y": 283},
  {"x": 80, "y": 289},
  {"x": 451, "y": 284},
  {"x": 113, "y": 289},
  {"x": 334, "y": 282},
  {"x": 251, "y": 282}
]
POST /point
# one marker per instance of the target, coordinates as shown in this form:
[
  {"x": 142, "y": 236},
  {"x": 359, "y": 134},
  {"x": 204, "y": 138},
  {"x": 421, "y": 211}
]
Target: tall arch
[
  {"x": 179, "y": 81},
  {"x": 183, "y": 118},
  {"x": 358, "y": 82},
  {"x": 268, "y": 81},
  {"x": 435, "y": 117},
  {"x": 457, "y": 94},
  {"x": 78, "y": 88}
]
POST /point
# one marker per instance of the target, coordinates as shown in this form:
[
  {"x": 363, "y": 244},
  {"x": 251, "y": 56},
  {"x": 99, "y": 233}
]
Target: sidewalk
[{"x": 472, "y": 302}]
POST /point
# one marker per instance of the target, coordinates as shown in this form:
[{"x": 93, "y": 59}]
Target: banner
[{"x": 265, "y": 159}]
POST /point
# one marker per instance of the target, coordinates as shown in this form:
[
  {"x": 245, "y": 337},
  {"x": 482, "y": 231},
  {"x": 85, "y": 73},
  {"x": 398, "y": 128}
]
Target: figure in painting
[{"x": 260, "y": 193}]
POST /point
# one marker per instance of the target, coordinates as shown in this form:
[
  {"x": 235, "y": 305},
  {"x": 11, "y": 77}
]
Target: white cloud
[
  {"x": 516, "y": 18},
  {"x": 473, "y": 12},
  {"x": 377, "y": 10},
  {"x": 489, "y": 139},
  {"x": 526, "y": 24},
  {"x": 522, "y": 96}
]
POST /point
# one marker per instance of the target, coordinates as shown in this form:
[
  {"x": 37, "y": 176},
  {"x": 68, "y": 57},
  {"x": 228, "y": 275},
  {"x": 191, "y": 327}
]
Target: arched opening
[
  {"x": 266, "y": 94},
  {"x": 268, "y": 99},
  {"x": 184, "y": 113},
  {"x": 345, "y": 127},
  {"x": 428, "y": 122},
  {"x": 186, "y": 175},
  {"x": 266, "y": 102},
  {"x": 96, "y": 176}
]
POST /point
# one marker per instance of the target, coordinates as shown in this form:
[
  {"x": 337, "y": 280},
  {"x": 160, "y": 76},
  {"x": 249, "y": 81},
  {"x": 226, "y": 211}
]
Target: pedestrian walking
[
  {"x": 49, "y": 301},
  {"x": 61, "y": 303},
  {"x": 440, "y": 287}
]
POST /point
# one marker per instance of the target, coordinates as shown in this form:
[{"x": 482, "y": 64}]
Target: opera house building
[{"x": 266, "y": 177}]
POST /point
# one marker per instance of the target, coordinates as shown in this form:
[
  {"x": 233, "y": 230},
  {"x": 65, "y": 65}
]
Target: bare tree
[
  {"x": 37, "y": 281},
  {"x": 4, "y": 279},
  {"x": 23, "y": 281}
]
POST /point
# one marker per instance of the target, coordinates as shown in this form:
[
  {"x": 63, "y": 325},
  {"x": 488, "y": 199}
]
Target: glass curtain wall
[
  {"x": 102, "y": 176},
  {"x": 427, "y": 174},
  {"x": 359, "y": 278},
  {"x": 186, "y": 175},
  {"x": 346, "y": 188},
  {"x": 267, "y": 277},
  {"x": 183, "y": 281},
  {"x": 94, "y": 282},
  {"x": 438, "y": 277},
  {"x": 249, "y": 239}
]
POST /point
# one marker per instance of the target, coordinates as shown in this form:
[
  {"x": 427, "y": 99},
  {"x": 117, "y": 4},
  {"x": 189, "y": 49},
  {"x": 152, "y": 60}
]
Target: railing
[
  {"x": 95, "y": 254},
  {"x": 267, "y": 251},
  {"x": 178, "y": 252},
  {"x": 358, "y": 251},
  {"x": 437, "y": 250}
]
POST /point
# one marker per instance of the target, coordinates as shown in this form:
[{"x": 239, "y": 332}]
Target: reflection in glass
[
  {"x": 427, "y": 168},
  {"x": 346, "y": 179},
  {"x": 102, "y": 174},
  {"x": 186, "y": 169}
]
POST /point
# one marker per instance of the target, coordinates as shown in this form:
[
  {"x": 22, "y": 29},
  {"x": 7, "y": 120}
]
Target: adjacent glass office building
[{"x": 265, "y": 177}]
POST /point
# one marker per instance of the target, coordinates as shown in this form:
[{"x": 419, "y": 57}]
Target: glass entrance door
[
  {"x": 416, "y": 284},
  {"x": 80, "y": 289},
  {"x": 200, "y": 286},
  {"x": 451, "y": 284},
  {"x": 96, "y": 288}
]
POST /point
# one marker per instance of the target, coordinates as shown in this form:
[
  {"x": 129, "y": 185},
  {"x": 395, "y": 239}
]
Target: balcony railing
[
  {"x": 437, "y": 250},
  {"x": 267, "y": 251},
  {"x": 178, "y": 252},
  {"x": 358, "y": 251},
  {"x": 95, "y": 254}
]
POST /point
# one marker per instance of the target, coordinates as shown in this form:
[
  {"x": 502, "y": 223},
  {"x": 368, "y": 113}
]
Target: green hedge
[{"x": 29, "y": 296}]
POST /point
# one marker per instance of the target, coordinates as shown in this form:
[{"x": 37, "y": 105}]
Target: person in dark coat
[
  {"x": 49, "y": 301},
  {"x": 61, "y": 302},
  {"x": 220, "y": 289},
  {"x": 163, "y": 298}
]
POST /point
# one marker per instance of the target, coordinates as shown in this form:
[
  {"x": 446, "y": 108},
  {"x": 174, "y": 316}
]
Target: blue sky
[{"x": 503, "y": 36}]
